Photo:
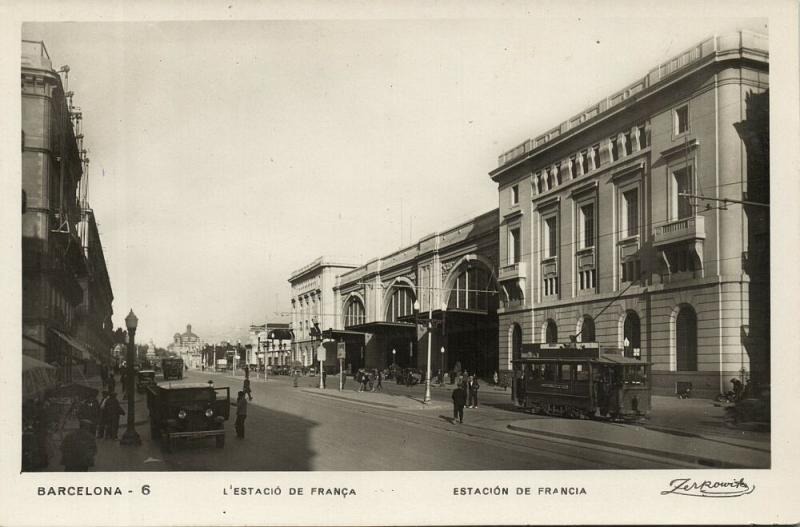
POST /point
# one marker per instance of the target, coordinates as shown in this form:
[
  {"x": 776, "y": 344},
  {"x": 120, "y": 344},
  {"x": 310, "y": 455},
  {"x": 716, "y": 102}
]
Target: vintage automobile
[
  {"x": 145, "y": 378},
  {"x": 409, "y": 376},
  {"x": 580, "y": 380},
  {"x": 172, "y": 368},
  {"x": 188, "y": 411}
]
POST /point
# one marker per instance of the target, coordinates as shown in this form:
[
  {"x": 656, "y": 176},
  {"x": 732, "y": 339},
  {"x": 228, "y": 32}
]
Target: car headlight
[
  {"x": 209, "y": 412},
  {"x": 182, "y": 414}
]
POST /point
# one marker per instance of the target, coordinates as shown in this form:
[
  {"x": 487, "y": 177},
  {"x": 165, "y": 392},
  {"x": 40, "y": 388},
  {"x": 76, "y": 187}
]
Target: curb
[
  {"x": 420, "y": 405},
  {"x": 697, "y": 460}
]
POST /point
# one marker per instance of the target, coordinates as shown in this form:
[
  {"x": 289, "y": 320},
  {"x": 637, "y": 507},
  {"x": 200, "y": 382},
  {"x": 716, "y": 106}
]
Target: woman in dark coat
[{"x": 112, "y": 412}]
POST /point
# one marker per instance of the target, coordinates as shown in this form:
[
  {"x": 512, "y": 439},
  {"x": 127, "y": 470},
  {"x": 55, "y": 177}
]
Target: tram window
[
  {"x": 566, "y": 373},
  {"x": 635, "y": 375},
  {"x": 537, "y": 371},
  {"x": 550, "y": 372},
  {"x": 581, "y": 373}
]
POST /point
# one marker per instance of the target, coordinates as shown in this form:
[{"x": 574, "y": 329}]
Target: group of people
[
  {"x": 369, "y": 381},
  {"x": 101, "y": 418},
  {"x": 465, "y": 394}
]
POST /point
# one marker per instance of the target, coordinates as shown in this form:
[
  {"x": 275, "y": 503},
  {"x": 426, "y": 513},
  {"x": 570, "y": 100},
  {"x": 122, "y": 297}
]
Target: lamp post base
[
  {"x": 130, "y": 438},
  {"x": 427, "y": 398}
]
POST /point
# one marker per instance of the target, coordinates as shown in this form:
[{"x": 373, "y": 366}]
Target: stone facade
[
  {"x": 452, "y": 277},
  {"x": 187, "y": 346},
  {"x": 313, "y": 301},
  {"x": 605, "y": 232},
  {"x": 66, "y": 292}
]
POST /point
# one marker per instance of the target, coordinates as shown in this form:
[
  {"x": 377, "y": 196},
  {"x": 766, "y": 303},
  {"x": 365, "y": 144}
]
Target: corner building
[
  {"x": 313, "y": 302},
  {"x": 613, "y": 225}
]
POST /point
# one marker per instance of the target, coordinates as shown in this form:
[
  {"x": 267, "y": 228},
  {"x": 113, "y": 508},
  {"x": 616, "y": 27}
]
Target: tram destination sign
[{"x": 536, "y": 351}]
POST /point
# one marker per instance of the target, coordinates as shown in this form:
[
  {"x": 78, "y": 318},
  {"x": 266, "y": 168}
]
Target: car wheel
[{"x": 220, "y": 441}]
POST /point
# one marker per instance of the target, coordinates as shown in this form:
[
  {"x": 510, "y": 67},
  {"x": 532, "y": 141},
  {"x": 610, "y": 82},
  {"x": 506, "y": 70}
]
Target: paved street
[{"x": 304, "y": 428}]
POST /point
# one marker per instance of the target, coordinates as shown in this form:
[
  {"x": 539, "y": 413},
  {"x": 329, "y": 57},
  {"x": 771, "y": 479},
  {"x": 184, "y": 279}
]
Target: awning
[
  {"x": 342, "y": 333},
  {"x": 76, "y": 344},
  {"x": 620, "y": 359},
  {"x": 37, "y": 377},
  {"x": 380, "y": 327}
]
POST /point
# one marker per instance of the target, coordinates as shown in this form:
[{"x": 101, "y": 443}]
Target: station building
[
  {"x": 640, "y": 222},
  {"x": 445, "y": 284}
]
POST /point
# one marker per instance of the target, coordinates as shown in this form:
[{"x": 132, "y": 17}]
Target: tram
[{"x": 579, "y": 380}]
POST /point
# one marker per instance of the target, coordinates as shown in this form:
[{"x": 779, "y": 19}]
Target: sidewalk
[{"x": 691, "y": 430}]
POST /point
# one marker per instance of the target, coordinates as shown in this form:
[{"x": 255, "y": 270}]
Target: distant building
[
  {"x": 270, "y": 344},
  {"x": 613, "y": 226},
  {"x": 187, "y": 346},
  {"x": 313, "y": 302}
]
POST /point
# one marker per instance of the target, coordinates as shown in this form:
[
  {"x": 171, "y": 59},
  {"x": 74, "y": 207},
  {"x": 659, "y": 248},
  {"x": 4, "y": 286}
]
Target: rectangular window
[
  {"x": 630, "y": 213},
  {"x": 515, "y": 194},
  {"x": 682, "y": 119},
  {"x": 551, "y": 236},
  {"x": 566, "y": 373},
  {"x": 550, "y": 372},
  {"x": 630, "y": 270},
  {"x": 682, "y": 186},
  {"x": 513, "y": 246},
  {"x": 587, "y": 225}
]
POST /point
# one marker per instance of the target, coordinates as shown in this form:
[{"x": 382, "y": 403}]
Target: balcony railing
[
  {"x": 685, "y": 229},
  {"x": 513, "y": 271}
]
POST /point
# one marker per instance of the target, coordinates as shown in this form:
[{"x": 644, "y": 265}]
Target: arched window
[
  {"x": 632, "y": 332},
  {"x": 401, "y": 304},
  {"x": 472, "y": 291},
  {"x": 354, "y": 313},
  {"x": 686, "y": 339},
  {"x": 551, "y": 333},
  {"x": 516, "y": 342},
  {"x": 587, "y": 330}
]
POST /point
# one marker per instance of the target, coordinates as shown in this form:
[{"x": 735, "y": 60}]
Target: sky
[{"x": 226, "y": 154}]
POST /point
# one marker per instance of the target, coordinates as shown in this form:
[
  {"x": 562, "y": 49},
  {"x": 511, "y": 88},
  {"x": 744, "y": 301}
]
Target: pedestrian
[
  {"x": 738, "y": 389},
  {"x": 111, "y": 382},
  {"x": 324, "y": 379},
  {"x": 241, "y": 414},
  {"x": 495, "y": 379},
  {"x": 113, "y": 411},
  {"x": 79, "y": 448},
  {"x": 296, "y": 378},
  {"x": 473, "y": 387},
  {"x": 459, "y": 400},
  {"x": 505, "y": 382},
  {"x": 89, "y": 410},
  {"x": 102, "y": 416},
  {"x": 379, "y": 381},
  {"x": 371, "y": 379},
  {"x": 246, "y": 387}
]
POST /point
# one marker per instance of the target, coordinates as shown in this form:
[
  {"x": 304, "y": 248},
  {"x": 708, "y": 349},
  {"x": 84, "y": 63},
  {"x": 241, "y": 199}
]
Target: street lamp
[
  {"x": 131, "y": 437},
  {"x": 441, "y": 376},
  {"x": 427, "y": 398}
]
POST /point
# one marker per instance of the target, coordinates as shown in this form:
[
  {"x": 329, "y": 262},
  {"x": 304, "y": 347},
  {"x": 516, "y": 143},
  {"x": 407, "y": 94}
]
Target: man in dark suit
[{"x": 459, "y": 400}]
